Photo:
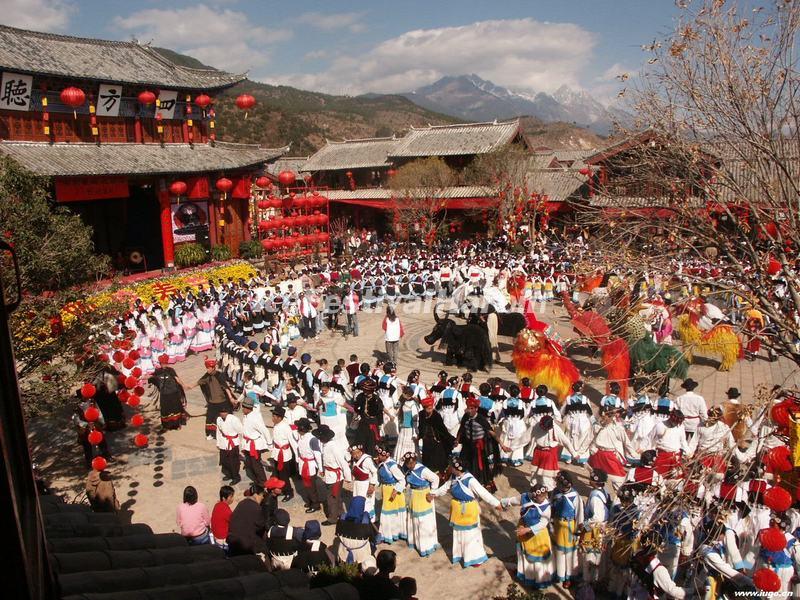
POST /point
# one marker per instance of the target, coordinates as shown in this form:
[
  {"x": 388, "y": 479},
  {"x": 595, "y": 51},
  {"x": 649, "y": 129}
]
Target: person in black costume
[
  {"x": 437, "y": 443},
  {"x": 247, "y": 524},
  {"x": 171, "y": 396},
  {"x": 369, "y": 411},
  {"x": 480, "y": 450}
]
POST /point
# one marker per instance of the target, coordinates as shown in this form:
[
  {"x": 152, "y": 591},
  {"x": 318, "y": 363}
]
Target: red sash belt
[
  {"x": 280, "y": 455},
  {"x": 479, "y": 446},
  {"x": 252, "y": 452},
  {"x": 305, "y": 472},
  {"x": 336, "y": 470},
  {"x": 230, "y": 439},
  {"x": 375, "y": 431}
]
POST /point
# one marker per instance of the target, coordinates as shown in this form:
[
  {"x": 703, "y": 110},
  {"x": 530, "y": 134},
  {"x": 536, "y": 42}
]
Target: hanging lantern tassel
[
  {"x": 212, "y": 135},
  {"x": 189, "y": 117},
  {"x": 45, "y": 114},
  {"x": 93, "y": 118}
]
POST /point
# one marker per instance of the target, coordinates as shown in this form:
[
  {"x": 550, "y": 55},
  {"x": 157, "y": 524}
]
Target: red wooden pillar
[
  {"x": 137, "y": 131},
  {"x": 166, "y": 225}
]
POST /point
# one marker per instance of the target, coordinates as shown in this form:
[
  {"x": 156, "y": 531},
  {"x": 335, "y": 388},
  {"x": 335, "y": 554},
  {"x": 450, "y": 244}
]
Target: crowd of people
[{"x": 678, "y": 492}]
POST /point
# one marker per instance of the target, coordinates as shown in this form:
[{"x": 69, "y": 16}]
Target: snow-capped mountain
[{"x": 473, "y": 98}]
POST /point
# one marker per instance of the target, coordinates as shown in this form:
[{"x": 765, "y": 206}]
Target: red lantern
[
  {"x": 88, "y": 390},
  {"x": 322, "y": 219},
  {"x": 349, "y": 174},
  {"x": 774, "y": 266},
  {"x": 136, "y": 372},
  {"x": 772, "y": 539},
  {"x": 95, "y": 437},
  {"x": 302, "y": 221},
  {"x": 128, "y": 363},
  {"x": 778, "y": 499},
  {"x": 138, "y": 390},
  {"x": 137, "y": 420},
  {"x": 224, "y": 185},
  {"x": 286, "y": 178},
  {"x": 202, "y": 101},
  {"x": 73, "y": 97},
  {"x": 131, "y": 382},
  {"x": 123, "y": 395},
  {"x": 391, "y": 172},
  {"x": 767, "y": 580},
  {"x": 267, "y": 244},
  {"x": 147, "y": 98},
  {"x": 99, "y": 463},
  {"x": 118, "y": 356},
  {"x": 140, "y": 440},
  {"x": 263, "y": 182},
  {"x": 245, "y": 101},
  {"x": 300, "y": 202},
  {"x": 134, "y": 400},
  {"x": 584, "y": 171},
  {"x": 91, "y": 414},
  {"x": 178, "y": 188}
]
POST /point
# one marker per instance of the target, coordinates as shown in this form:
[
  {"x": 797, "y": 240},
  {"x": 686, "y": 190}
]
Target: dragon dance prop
[
  {"x": 614, "y": 351},
  {"x": 542, "y": 359},
  {"x": 647, "y": 356},
  {"x": 721, "y": 341}
]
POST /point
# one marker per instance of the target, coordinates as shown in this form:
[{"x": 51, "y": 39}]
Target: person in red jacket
[{"x": 221, "y": 517}]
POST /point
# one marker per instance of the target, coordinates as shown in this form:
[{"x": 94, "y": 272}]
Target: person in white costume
[
  {"x": 465, "y": 514},
  {"x": 421, "y": 513}
]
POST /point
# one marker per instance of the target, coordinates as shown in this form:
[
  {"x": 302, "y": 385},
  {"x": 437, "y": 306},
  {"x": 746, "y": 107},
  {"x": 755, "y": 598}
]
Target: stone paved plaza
[{"x": 150, "y": 481}]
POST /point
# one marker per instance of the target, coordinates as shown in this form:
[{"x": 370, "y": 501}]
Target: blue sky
[{"x": 380, "y": 46}]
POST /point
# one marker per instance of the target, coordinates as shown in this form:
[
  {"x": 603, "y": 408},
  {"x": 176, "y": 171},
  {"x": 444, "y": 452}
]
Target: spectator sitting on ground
[
  {"x": 221, "y": 517},
  {"x": 380, "y": 585},
  {"x": 284, "y": 542},
  {"x": 193, "y": 519},
  {"x": 314, "y": 552}
]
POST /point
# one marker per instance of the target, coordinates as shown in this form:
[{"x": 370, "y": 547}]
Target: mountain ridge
[
  {"x": 474, "y": 98},
  {"x": 305, "y": 120}
]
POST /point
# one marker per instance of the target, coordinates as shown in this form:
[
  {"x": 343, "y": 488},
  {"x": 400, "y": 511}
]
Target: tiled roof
[
  {"x": 101, "y": 60},
  {"x": 351, "y": 154},
  {"x": 465, "y": 191},
  {"x": 638, "y": 202},
  {"x": 287, "y": 163},
  {"x": 454, "y": 140},
  {"x": 558, "y": 185},
  {"x": 134, "y": 159}
]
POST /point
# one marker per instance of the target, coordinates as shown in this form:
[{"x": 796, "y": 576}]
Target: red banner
[
  {"x": 197, "y": 187},
  {"x": 76, "y": 189},
  {"x": 241, "y": 188}
]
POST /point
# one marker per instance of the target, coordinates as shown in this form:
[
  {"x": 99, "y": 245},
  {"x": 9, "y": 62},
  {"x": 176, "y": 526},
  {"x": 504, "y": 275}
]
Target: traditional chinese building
[
  {"x": 356, "y": 173},
  {"x": 128, "y": 140}
]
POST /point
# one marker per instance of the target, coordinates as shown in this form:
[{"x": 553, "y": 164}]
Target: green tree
[{"x": 55, "y": 253}]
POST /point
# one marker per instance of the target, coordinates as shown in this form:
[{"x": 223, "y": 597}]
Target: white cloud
[
  {"x": 39, "y": 15},
  {"x": 520, "y": 53},
  {"x": 225, "y": 39},
  {"x": 333, "y": 21}
]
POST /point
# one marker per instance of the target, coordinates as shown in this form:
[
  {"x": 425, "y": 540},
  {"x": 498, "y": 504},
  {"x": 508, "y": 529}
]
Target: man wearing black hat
[
  {"x": 256, "y": 439},
  {"x": 284, "y": 449},
  {"x": 735, "y": 415},
  {"x": 335, "y": 471},
  {"x": 670, "y": 445},
  {"x": 309, "y": 456},
  {"x": 692, "y": 405}
]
